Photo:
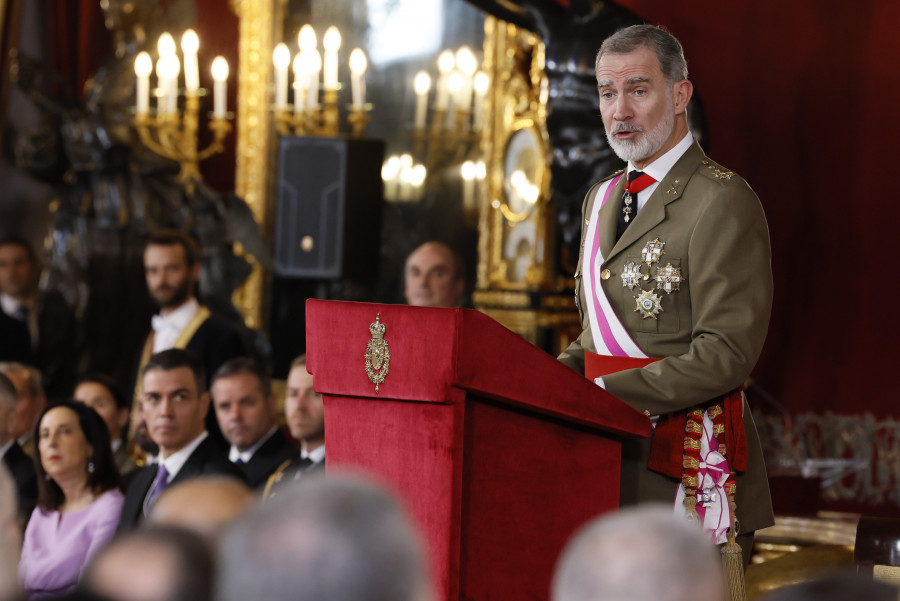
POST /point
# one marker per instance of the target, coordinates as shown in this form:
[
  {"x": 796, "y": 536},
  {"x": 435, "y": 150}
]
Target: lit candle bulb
[
  {"x": 468, "y": 172},
  {"x": 281, "y": 57},
  {"x": 454, "y": 84},
  {"x": 390, "y": 173},
  {"x": 173, "y": 68},
  {"x": 358, "y": 64},
  {"x": 166, "y": 45},
  {"x": 190, "y": 43},
  {"x": 306, "y": 39},
  {"x": 300, "y": 83},
  {"x": 467, "y": 65},
  {"x": 332, "y": 43},
  {"x": 314, "y": 67},
  {"x": 446, "y": 62},
  {"x": 481, "y": 84},
  {"x": 143, "y": 67},
  {"x": 220, "y": 86},
  {"x": 422, "y": 83},
  {"x": 162, "y": 87}
]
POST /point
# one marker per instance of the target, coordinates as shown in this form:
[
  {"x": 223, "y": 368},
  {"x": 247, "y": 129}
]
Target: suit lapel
[{"x": 654, "y": 211}]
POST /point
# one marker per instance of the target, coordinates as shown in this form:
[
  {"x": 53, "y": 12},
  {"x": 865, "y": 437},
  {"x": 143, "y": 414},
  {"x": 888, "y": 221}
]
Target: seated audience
[
  {"x": 305, "y": 416},
  {"x": 248, "y": 418},
  {"x": 434, "y": 277},
  {"x": 30, "y": 401},
  {"x": 20, "y": 465},
  {"x": 323, "y": 539},
  {"x": 101, "y": 393},
  {"x": 206, "y": 504},
  {"x": 78, "y": 499},
  {"x": 645, "y": 553},
  {"x": 174, "y": 404},
  {"x": 156, "y": 563}
]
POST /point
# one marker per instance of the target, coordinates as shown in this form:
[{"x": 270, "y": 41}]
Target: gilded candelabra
[
  {"x": 309, "y": 117},
  {"x": 175, "y": 137},
  {"x": 169, "y": 133}
]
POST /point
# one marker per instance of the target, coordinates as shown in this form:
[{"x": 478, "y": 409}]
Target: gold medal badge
[
  {"x": 668, "y": 278},
  {"x": 648, "y": 304},
  {"x": 651, "y": 253},
  {"x": 631, "y": 274},
  {"x": 378, "y": 355}
]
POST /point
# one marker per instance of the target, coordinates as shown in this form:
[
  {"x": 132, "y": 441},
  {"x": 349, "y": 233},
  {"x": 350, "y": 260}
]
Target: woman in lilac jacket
[{"x": 79, "y": 499}]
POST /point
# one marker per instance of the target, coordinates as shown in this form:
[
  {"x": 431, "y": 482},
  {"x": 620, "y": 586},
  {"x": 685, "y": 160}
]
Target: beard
[
  {"x": 646, "y": 144},
  {"x": 170, "y": 298}
]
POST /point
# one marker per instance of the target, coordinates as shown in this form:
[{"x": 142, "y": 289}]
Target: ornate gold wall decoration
[
  {"x": 516, "y": 281},
  {"x": 254, "y": 135}
]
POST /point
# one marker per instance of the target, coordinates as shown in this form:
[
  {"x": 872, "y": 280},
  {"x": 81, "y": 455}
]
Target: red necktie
[{"x": 637, "y": 181}]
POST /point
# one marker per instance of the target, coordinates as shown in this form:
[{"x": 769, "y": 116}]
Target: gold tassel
[
  {"x": 733, "y": 561},
  {"x": 690, "y": 505}
]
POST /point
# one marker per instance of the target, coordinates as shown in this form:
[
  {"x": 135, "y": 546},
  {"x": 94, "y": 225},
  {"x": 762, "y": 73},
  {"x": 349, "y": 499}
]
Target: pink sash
[{"x": 610, "y": 336}]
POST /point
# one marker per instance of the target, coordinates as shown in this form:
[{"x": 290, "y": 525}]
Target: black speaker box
[{"x": 329, "y": 207}]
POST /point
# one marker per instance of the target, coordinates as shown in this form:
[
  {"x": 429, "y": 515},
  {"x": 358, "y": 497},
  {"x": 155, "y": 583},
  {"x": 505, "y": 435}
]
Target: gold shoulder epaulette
[
  {"x": 275, "y": 478},
  {"x": 718, "y": 171}
]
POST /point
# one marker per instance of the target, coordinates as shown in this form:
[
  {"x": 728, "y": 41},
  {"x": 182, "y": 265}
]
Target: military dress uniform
[{"x": 704, "y": 224}]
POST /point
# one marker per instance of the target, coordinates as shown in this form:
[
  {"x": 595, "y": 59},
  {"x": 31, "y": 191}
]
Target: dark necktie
[
  {"x": 637, "y": 181},
  {"x": 239, "y": 461}
]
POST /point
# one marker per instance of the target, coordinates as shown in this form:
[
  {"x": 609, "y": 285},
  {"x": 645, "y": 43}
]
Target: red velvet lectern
[{"x": 499, "y": 451}]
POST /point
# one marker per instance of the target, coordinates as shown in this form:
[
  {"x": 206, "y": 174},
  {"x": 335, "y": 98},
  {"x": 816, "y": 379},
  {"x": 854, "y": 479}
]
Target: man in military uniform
[
  {"x": 304, "y": 413},
  {"x": 674, "y": 265}
]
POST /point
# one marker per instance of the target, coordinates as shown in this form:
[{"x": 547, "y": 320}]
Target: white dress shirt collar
[
  {"x": 176, "y": 460},
  {"x": 9, "y": 304},
  {"x": 317, "y": 455},
  {"x": 659, "y": 168},
  {"x": 234, "y": 454},
  {"x": 167, "y": 328}
]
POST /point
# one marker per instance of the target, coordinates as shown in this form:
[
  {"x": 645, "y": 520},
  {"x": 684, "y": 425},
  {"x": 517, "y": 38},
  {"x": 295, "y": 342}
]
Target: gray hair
[
  {"x": 323, "y": 540},
  {"x": 645, "y": 553},
  {"x": 35, "y": 380},
  {"x": 668, "y": 49}
]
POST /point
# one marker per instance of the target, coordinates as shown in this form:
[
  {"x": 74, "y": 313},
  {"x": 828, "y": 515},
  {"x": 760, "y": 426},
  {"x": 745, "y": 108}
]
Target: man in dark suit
[
  {"x": 248, "y": 418},
  {"x": 47, "y": 316},
  {"x": 19, "y": 464},
  {"x": 172, "y": 269},
  {"x": 175, "y": 402}
]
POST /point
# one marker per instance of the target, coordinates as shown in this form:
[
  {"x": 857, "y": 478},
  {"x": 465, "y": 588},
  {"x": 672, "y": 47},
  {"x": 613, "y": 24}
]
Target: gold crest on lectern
[{"x": 378, "y": 355}]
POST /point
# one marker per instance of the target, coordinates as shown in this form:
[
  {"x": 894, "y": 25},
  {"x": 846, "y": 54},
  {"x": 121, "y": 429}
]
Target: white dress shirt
[{"x": 167, "y": 328}]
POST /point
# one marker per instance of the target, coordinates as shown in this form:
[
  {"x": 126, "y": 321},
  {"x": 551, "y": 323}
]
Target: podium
[{"x": 498, "y": 451}]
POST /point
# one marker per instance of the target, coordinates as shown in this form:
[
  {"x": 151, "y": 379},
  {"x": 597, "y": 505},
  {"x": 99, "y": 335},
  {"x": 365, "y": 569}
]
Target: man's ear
[
  {"x": 195, "y": 272},
  {"x": 681, "y": 94},
  {"x": 204, "y": 402}
]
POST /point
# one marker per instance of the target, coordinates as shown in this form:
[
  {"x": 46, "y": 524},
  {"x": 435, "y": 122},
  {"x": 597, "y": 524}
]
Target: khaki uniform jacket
[{"x": 710, "y": 332}]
